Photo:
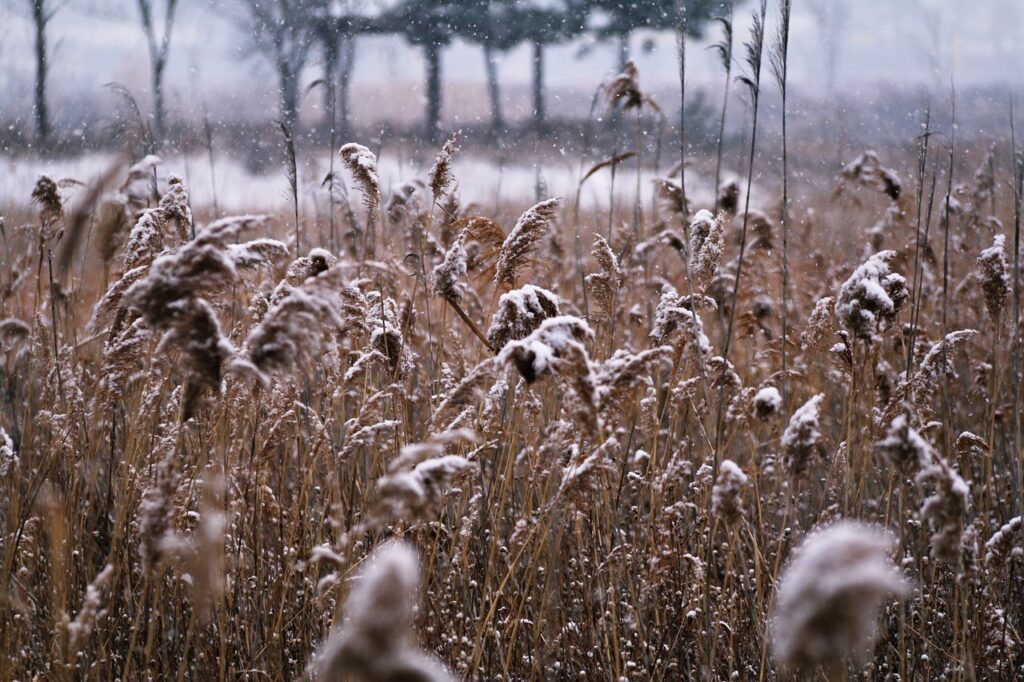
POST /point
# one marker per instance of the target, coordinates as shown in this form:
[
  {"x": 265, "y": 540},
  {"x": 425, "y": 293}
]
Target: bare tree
[
  {"x": 42, "y": 12},
  {"x": 338, "y": 27},
  {"x": 159, "y": 45},
  {"x": 282, "y": 30},
  {"x": 831, "y": 18}
]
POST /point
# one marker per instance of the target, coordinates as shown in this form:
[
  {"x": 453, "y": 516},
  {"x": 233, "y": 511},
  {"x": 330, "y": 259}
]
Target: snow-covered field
[{"x": 481, "y": 181}]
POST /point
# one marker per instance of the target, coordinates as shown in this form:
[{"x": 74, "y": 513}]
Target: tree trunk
[
  {"x": 159, "y": 118},
  {"x": 493, "y": 89},
  {"x": 330, "y": 46},
  {"x": 42, "y": 111},
  {"x": 432, "y": 53},
  {"x": 623, "y": 51},
  {"x": 538, "y": 85},
  {"x": 348, "y": 60}
]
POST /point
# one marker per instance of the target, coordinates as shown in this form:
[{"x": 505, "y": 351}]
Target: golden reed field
[{"x": 420, "y": 436}]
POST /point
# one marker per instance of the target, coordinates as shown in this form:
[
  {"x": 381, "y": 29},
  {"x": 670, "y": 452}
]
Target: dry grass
[{"x": 196, "y": 471}]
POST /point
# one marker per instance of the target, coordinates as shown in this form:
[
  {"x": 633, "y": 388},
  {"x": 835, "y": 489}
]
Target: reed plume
[
  {"x": 827, "y": 605},
  {"x": 726, "y": 499},
  {"x": 374, "y": 642},
  {"x": 440, "y": 175},
  {"x": 362, "y": 164},
  {"x": 291, "y": 333},
  {"x": 521, "y": 242},
  {"x": 801, "y": 441}
]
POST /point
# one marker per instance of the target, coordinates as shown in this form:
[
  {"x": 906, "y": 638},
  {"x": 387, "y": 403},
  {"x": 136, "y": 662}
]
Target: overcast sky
[{"x": 907, "y": 42}]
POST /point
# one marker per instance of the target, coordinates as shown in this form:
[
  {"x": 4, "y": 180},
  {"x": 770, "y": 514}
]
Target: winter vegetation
[{"x": 710, "y": 413}]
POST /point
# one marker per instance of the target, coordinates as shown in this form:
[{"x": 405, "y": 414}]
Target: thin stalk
[
  {"x": 1018, "y": 186},
  {"x": 753, "y": 83},
  {"x": 922, "y": 164},
  {"x": 780, "y": 64},
  {"x": 681, "y": 53},
  {"x": 945, "y": 273},
  {"x": 724, "y": 49}
]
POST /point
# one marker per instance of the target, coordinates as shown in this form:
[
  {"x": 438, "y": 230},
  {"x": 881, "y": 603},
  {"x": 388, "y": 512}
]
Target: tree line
[{"x": 289, "y": 32}]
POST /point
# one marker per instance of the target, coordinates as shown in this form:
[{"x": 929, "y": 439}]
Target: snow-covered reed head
[
  {"x": 557, "y": 347},
  {"x": 994, "y": 278},
  {"x": 415, "y": 492},
  {"x": 828, "y": 602},
  {"x": 903, "y": 448},
  {"x": 375, "y": 643},
  {"x": 82, "y": 626},
  {"x": 291, "y": 331},
  {"x": 867, "y": 170},
  {"x": 540, "y": 352},
  {"x": 872, "y": 296},
  {"x": 362, "y": 164},
  {"x": 706, "y": 246},
  {"x": 441, "y": 177},
  {"x": 449, "y": 272},
  {"x": 729, "y": 197},
  {"x": 603, "y": 286},
  {"x": 519, "y": 312},
  {"x": 13, "y": 334},
  {"x": 945, "y": 510},
  {"x": 816, "y": 335},
  {"x": 1003, "y": 546},
  {"x": 767, "y": 403},
  {"x": 801, "y": 441},
  {"x": 46, "y": 195},
  {"x": 677, "y": 322},
  {"x": 726, "y": 499},
  {"x": 623, "y": 91}
]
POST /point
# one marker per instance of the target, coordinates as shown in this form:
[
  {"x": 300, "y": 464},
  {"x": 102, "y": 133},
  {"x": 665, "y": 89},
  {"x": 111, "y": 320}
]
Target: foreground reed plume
[
  {"x": 374, "y": 642},
  {"x": 829, "y": 599}
]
